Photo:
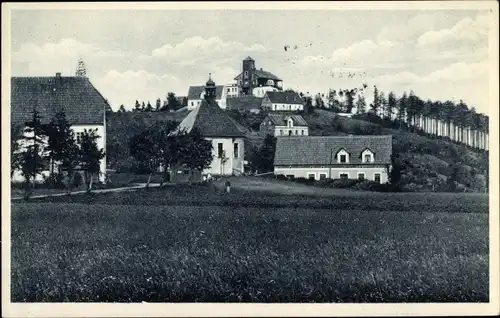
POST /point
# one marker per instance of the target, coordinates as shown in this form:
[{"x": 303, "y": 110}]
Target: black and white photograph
[{"x": 267, "y": 156}]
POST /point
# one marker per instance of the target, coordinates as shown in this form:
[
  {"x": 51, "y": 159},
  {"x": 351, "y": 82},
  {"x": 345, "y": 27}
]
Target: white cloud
[
  {"x": 466, "y": 29},
  {"x": 417, "y": 24},
  {"x": 194, "y": 48},
  {"x": 126, "y": 87}
]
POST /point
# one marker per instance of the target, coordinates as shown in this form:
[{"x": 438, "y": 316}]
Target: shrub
[
  {"x": 77, "y": 180},
  {"x": 54, "y": 181},
  {"x": 327, "y": 183},
  {"x": 344, "y": 183},
  {"x": 281, "y": 177},
  {"x": 369, "y": 185}
]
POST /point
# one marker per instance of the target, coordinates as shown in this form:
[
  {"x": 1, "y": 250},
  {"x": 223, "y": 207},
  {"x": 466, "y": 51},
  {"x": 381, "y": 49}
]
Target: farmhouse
[
  {"x": 284, "y": 125},
  {"x": 84, "y": 106},
  {"x": 196, "y": 96},
  {"x": 251, "y": 78},
  {"x": 283, "y": 101},
  {"x": 335, "y": 157},
  {"x": 226, "y": 136}
]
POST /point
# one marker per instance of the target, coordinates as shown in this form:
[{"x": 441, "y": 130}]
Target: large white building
[
  {"x": 334, "y": 157},
  {"x": 282, "y": 101},
  {"x": 84, "y": 106},
  {"x": 228, "y": 140},
  {"x": 284, "y": 125}
]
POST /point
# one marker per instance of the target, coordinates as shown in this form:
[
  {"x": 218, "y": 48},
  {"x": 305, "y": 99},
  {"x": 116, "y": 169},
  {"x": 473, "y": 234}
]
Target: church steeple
[{"x": 210, "y": 89}]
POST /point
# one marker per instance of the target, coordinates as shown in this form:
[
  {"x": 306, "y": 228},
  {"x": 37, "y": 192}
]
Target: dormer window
[
  {"x": 367, "y": 156},
  {"x": 343, "y": 156}
]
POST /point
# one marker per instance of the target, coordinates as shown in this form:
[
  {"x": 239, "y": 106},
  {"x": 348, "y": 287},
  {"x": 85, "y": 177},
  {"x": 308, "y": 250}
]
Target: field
[{"x": 198, "y": 244}]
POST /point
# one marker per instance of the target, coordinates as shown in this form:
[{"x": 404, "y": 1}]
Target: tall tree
[
  {"x": 360, "y": 105},
  {"x": 402, "y": 106},
  {"x": 391, "y": 104},
  {"x": 90, "y": 156},
  {"x": 158, "y": 104},
  {"x": 172, "y": 102},
  {"x": 319, "y": 101},
  {"x": 33, "y": 150},
  {"x": 375, "y": 106},
  {"x": 137, "y": 107},
  {"x": 149, "y": 108},
  {"x": 197, "y": 152},
  {"x": 15, "y": 155},
  {"x": 308, "y": 107},
  {"x": 59, "y": 135},
  {"x": 383, "y": 104},
  {"x": 349, "y": 101},
  {"x": 122, "y": 109},
  {"x": 143, "y": 107},
  {"x": 145, "y": 148},
  {"x": 266, "y": 154}
]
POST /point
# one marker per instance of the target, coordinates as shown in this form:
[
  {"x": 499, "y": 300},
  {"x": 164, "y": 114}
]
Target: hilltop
[{"x": 428, "y": 160}]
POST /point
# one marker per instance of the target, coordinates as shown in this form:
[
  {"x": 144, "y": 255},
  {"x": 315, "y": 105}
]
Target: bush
[
  {"x": 328, "y": 183},
  {"x": 344, "y": 183},
  {"x": 54, "y": 181},
  {"x": 281, "y": 177},
  {"x": 369, "y": 185},
  {"x": 77, "y": 180}
]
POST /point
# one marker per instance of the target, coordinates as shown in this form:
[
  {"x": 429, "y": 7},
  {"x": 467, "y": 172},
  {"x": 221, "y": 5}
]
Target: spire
[{"x": 210, "y": 89}]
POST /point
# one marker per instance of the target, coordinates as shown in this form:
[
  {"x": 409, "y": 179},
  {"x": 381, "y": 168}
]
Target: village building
[
  {"x": 231, "y": 90},
  {"x": 283, "y": 101},
  {"x": 334, "y": 157},
  {"x": 226, "y": 135},
  {"x": 196, "y": 95},
  {"x": 284, "y": 125},
  {"x": 84, "y": 106},
  {"x": 251, "y": 78},
  {"x": 245, "y": 103}
]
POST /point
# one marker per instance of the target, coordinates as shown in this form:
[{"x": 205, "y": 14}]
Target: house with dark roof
[
  {"x": 226, "y": 135},
  {"x": 84, "y": 106},
  {"x": 283, "y": 101},
  {"x": 245, "y": 103},
  {"x": 196, "y": 96},
  {"x": 334, "y": 157},
  {"x": 284, "y": 125},
  {"x": 251, "y": 78}
]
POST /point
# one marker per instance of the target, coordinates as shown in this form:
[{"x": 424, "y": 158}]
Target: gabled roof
[
  {"x": 195, "y": 91},
  {"x": 316, "y": 150},
  {"x": 266, "y": 74},
  {"x": 286, "y": 97},
  {"x": 211, "y": 121},
  {"x": 248, "y": 58},
  {"x": 280, "y": 119},
  {"x": 80, "y": 100},
  {"x": 244, "y": 102}
]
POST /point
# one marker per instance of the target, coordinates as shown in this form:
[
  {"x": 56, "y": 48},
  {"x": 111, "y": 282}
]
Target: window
[
  {"x": 220, "y": 150},
  {"x": 344, "y": 176},
  {"x": 290, "y": 133},
  {"x": 343, "y": 158},
  {"x": 311, "y": 176},
  {"x": 236, "y": 152},
  {"x": 246, "y": 73},
  {"x": 296, "y": 132},
  {"x": 302, "y": 132},
  {"x": 192, "y": 103},
  {"x": 361, "y": 176},
  {"x": 228, "y": 90},
  {"x": 281, "y": 132},
  {"x": 377, "y": 177},
  {"x": 322, "y": 176},
  {"x": 274, "y": 106},
  {"x": 368, "y": 158}
]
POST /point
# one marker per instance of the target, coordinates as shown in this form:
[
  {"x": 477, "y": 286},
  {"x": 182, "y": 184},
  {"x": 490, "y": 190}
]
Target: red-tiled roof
[
  {"x": 80, "y": 100},
  {"x": 316, "y": 150}
]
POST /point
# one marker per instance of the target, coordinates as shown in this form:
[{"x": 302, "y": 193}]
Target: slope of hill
[{"x": 429, "y": 160}]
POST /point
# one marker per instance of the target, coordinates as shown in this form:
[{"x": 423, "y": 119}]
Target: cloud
[
  {"x": 126, "y": 87},
  {"x": 414, "y": 26},
  {"x": 61, "y": 56},
  {"x": 466, "y": 29},
  {"x": 194, "y": 48}
]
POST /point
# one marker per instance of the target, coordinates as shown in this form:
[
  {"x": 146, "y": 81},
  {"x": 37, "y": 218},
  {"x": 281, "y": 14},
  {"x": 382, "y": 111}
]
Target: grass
[{"x": 196, "y": 244}]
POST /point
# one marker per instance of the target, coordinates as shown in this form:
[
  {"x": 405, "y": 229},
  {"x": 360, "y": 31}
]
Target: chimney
[
  {"x": 57, "y": 82},
  {"x": 58, "y": 74}
]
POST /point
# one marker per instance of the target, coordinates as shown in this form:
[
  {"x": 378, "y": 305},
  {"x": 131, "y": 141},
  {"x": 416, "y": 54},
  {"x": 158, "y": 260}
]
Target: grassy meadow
[{"x": 197, "y": 244}]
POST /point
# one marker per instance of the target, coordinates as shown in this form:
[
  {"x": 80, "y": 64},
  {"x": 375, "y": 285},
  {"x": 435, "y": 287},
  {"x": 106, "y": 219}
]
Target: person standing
[{"x": 228, "y": 186}]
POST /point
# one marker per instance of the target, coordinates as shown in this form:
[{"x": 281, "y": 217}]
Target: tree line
[
  {"x": 171, "y": 103},
  {"x": 457, "y": 122},
  {"x": 165, "y": 147},
  {"x": 39, "y": 147}
]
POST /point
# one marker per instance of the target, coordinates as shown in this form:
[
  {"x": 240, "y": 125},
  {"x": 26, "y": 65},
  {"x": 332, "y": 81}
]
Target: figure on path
[{"x": 228, "y": 186}]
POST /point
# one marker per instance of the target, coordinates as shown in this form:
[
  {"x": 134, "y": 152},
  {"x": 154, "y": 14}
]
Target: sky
[{"x": 143, "y": 54}]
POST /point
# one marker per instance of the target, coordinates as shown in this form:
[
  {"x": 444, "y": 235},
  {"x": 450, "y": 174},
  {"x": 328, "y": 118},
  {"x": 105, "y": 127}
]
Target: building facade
[
  {"x": 334, "y": 157},
  {"x": 251, "y": 78},
  {"x": 283, "y": 101},
  {"x": 228, "y": 141},
  {"x": 280, "y": 125},
  {"x": 84, "y": 106}
]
